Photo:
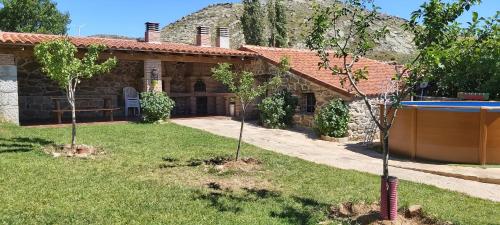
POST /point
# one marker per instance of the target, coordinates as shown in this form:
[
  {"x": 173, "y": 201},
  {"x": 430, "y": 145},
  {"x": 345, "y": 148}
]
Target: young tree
[
  {"x": 252, "y": 22},
  {"x": 33, "y": 16},
  {"x": 278, "y": 31},
  {"x": 359, "y": 37},
  {"x": 59, "y": 62},
  {"x": 243, "y": 85}
]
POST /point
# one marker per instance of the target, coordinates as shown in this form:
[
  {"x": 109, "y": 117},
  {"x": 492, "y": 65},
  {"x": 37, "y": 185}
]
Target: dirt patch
[
  {"x": 80, "y": 151},
  {"x": 223, "y": 165},
  {"x": 368, "y": 214}
]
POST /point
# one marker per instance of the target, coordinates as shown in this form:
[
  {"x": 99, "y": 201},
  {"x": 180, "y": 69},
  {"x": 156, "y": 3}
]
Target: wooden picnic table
[{"x": 106, "y": 109}]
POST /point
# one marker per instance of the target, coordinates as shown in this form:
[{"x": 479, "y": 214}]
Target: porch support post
[{"x": 9, "y": 100}]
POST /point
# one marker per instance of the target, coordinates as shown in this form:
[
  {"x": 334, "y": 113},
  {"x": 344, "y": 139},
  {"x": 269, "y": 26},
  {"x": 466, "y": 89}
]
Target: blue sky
[{"x": 127, "y": 17}]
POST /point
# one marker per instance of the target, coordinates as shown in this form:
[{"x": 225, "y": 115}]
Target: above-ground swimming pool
[{"x": 460, "y": 132}]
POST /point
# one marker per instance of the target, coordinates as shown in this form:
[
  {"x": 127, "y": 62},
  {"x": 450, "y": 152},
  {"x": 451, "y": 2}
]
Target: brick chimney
[
  {"x": 152, "y": 34},
  {"x": 203, "y": 36},
  {"x": 222, "y": 40}
]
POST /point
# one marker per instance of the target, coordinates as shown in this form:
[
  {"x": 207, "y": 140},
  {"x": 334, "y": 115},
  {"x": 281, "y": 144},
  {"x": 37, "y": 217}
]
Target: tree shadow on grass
[
  {"x": 302, "y": 211},
  {"x": 297, "y": 210},
  {"x": 21, "y": 144},
  {"x": 226, "y": 200}
]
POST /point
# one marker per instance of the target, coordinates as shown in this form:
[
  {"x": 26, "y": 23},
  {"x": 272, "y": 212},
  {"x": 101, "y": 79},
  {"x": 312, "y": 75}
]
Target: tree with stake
[
  {"x": 359, "y": 37},
  {"x": 59, "y": 62},
  {"x": 243, "y": 85}
]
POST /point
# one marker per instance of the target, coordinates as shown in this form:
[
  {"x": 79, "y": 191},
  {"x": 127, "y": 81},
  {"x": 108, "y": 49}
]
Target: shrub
[
  {"x": 277, "y": 110},
  {"x": 333, "y": 118},
  {"x": 156, "y": 106}
]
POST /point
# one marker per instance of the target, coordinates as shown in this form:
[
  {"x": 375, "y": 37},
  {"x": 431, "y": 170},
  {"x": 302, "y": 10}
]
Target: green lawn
[{"x": 128, "y": 185}]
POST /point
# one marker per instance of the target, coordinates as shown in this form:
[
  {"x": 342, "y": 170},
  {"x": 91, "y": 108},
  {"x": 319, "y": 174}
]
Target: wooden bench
[{"x": 106, "y": 109}]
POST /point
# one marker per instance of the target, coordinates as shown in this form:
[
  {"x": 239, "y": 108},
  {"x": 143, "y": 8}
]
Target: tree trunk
[
  {"x": 385, "y": 153},
  {"x": 71, "y": 99},
  {"x": 73, "y": 125},
  {"x": 241, "y": 134}
]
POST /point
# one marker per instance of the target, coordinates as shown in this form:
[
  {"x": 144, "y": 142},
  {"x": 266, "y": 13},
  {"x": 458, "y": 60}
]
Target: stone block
[{"x": 9, "y": 102}]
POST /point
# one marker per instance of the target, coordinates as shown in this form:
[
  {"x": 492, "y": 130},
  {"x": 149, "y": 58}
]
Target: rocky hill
[{"x": 396, "y": 46}]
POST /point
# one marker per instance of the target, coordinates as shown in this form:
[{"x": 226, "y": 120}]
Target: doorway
[{"x": 202, "y": 106}]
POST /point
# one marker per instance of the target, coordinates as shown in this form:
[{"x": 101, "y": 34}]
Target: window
[
  {"x": 200, "y": 86},
  {"x": 310, "y": 102}
]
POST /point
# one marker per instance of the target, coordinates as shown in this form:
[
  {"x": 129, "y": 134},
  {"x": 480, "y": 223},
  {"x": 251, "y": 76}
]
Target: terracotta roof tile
[
  {"x": 305, "y": 63},
  {"x": 120, "y": 44}
]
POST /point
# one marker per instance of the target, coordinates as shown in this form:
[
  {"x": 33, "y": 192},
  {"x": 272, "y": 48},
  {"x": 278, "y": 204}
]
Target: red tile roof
[
  {"x": 305, "y": 63},
  {"x": 121, "y": 44}
]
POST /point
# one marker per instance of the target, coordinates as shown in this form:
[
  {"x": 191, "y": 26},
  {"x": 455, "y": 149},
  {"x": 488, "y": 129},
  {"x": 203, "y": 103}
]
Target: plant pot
[{"x": 389, "y": 198}]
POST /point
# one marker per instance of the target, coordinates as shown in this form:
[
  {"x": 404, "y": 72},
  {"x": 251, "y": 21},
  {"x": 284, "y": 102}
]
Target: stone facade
[
  {"x": 180, "y": 79},
  {"x": 36, "y": 89},
  {"x": 9, "y": 108},
  {"x": 360, "y": 126}
]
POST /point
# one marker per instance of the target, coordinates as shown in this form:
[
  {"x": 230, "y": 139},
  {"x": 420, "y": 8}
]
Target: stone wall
[
  {"x": 360, "y": 125},
  {"x": 9, "y": 109},
  {"x": 36, "y": 89}
]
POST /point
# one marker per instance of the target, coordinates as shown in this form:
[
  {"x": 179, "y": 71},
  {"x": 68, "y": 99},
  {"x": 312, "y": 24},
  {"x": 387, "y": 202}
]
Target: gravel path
[{"x": 304, "y": 145}]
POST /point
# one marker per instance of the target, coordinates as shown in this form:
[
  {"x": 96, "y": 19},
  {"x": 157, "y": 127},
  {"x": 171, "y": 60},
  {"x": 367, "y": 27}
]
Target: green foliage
[
  {"x": 333, "y": 118},
  {"x": 59, "y": 62},
  {"x": 252, "y": 22},
  {"x": 33, "y": 16},
  {"x": 277, "y": 110},
  {"x": 276, "y": 14},
  {"x": 358, "y": 38},
  {"x": 156, "y": 106},
  {"x": 465, "y": 59},
  {"x": 242, "y": 84}
]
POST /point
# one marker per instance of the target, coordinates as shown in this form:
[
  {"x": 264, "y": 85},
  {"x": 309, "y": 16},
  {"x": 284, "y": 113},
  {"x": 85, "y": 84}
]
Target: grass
[{"x": 129, "y": 185}]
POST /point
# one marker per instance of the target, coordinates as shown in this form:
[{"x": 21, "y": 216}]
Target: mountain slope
[{"x": 397, "y": 45}]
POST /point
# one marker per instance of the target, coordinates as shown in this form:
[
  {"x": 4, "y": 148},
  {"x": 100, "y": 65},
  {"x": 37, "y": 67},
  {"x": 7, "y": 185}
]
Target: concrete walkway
[{"x": 303, "y": 144}]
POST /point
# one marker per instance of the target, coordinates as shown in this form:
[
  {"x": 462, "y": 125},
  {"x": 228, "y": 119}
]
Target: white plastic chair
[{"x": 131, "y": 100}]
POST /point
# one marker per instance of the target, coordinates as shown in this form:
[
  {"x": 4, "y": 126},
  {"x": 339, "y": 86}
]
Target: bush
[
  {"x": 277, "y": 110},
  {"x": 332, "y": 120},
  {"x": 156, "y": 106}
]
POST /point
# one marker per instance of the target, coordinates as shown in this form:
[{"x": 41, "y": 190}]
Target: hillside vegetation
[{"x": 397, "y": 45}]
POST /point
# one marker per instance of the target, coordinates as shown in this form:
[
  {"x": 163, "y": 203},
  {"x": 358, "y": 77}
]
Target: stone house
[
  {"x": 184, "y": 74},
  {"x": 181, "y": 71},
  {"x": 315, "y": 87}
]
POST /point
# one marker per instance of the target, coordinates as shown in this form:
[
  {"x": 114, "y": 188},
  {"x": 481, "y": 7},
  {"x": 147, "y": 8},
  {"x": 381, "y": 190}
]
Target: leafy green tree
[
  {"x": 276, "y": 15},
  {"x": 358, "y": 37},
  {"x": 33, "y": 16},
  {"x": 467, "y": 61},
  {"x": 252, "y": 22},
  {"x": 60, "y": 64},
  {"x": 271, "y": 17},
  {"x": 281, "y": 25},
  {"x": 246, "y": 90}
]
